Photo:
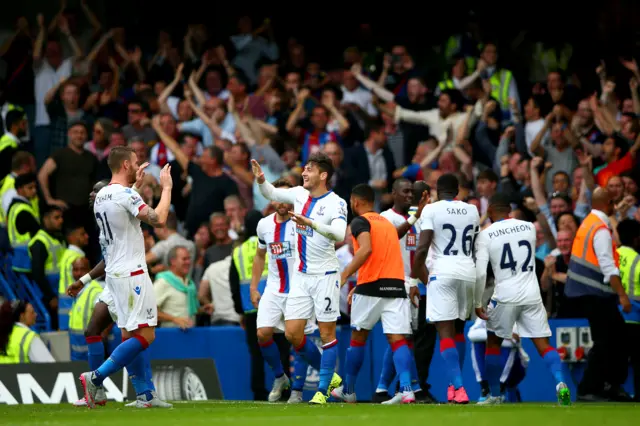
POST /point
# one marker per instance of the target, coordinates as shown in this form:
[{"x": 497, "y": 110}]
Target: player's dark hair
[
  {"x": 20, "y": 159},
  {"x": 282, "y": 183},
  {"x": 500, "y": 203},
  {"x": 24, "y": 179},
  {"x": 447, "y": 186},
  {"x": 398, "y": 182},
  {"x": 364, "y": 192},
  {"x": 418, "y": 189},
  {"x": 117, "y": 156},
  {"x": 324, "y": 163},
  {"x": 628, "y": 230}
]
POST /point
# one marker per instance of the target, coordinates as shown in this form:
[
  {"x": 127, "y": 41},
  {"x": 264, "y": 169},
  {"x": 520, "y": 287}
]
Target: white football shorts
[{"x": 309, "y": 294}]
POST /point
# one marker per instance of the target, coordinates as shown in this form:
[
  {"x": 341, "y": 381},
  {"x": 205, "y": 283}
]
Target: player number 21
[
  {"x": 105, "y": 229},
  {"x": 507, "y": 261}
]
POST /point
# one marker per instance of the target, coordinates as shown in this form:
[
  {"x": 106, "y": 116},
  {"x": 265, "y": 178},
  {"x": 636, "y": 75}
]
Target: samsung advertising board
[{"x": 175, "y": 380}]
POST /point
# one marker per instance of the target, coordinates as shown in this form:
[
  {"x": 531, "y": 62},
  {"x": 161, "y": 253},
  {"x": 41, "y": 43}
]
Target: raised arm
[
  {"x": 380, "y": 91},
  {"x": 162, "y": 99},
  {"x": 536, "y": 146},
  {"x": 91, "y": 17},
  {"x": 270, "y": 192},
  {"x": 38, "y": 44},
  {"x": 98, "y": 46},
  {"x": 171, "y": 143},
  {"x": 158, "y": 217},
  {"x": 195, "y": 89},
  {"x": 64, "y": 28}
]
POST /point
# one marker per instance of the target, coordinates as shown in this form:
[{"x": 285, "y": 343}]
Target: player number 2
[
  {"x": 467, "y": 240},
  {"x": 104, "y": 227},
  {"x": 507, "y": 261}
]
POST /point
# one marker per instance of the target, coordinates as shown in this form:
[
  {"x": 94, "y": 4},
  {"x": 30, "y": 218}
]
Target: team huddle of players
[{"x": 440, "y": 245}]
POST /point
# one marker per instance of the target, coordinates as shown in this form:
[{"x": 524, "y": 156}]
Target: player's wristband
[
  {"x": 314, "y": 226},
  {"x": 85, "y": 279},
  {"x": 412, "y": 220},
  {"x": 413, "y": 282}
]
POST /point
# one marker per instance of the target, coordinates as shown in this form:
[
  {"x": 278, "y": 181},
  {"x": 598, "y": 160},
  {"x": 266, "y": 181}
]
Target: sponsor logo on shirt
[
  {"x": 307, "y": 231},
  {"x": 280, "y": 250},
  {"x": 411, "y": 242},
  {"x": 137, "y": 290},
  {"x": 135, "y": 200}
]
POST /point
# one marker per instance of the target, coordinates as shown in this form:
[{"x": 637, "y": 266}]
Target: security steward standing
[
  {"x": 240, "y": 283},
  {"x": 23, "y": 345},
  {"x": 81, "y": 310},
  {"x": 629, "y": 232},
  {"x": 46, "y": 249},
  {"x": 23, "y": 221},
  {"x": 593, "y": 282}
]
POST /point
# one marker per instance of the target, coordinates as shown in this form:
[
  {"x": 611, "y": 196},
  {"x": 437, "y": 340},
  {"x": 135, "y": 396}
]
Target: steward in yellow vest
[
  {"x": 242, "y": 265},
  {"x": 46, "y": 249},
  {"x": 24, "y": 345},
  {"x": 21, "y": 164},
  {"x": 15, "y": 125},
  {"x": 23, "y": 222},
  {"x": 76, "y": 238},
  {"x": 81, "y": 311},
  {"x": 503, "y": 85}
]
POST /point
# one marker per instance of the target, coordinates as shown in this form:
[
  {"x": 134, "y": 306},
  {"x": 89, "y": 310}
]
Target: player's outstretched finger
[{"x": 143, "y": 166}]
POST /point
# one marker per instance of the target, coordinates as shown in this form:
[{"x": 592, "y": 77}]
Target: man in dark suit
[{"x": 372, "y": 162}]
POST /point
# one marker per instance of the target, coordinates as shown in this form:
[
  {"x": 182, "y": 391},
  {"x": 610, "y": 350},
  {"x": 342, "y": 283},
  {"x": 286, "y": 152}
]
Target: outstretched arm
[{"x": 268, "y": 191}]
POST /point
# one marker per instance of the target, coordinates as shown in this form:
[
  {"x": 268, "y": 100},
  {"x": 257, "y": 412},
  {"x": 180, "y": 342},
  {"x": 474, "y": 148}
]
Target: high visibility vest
[
  {"x": 66, "y": 269},
  {"x": 630, "y": 277},
  {"x": 550, "y": 59},
  {"x": 18, "y": 348},
  {"x": 8, "y": 141},
  {"x": 453, "y": 48},
  {"x": 79, "y": 317},
  {"x": 16, "y": 238},
  {"x": 446, "y": 84},
  {"x": 9, "y": 182},
  {"x": 243, "y": 260},
  {"x": 55, "y": 250},
  {"x": 500, "y": 82},
  {"x": 584, "y": 277}
]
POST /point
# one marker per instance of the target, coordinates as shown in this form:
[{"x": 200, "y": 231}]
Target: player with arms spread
[
  {"x": 448, "y": 228},
  {"x": 509, "y": 244},
  {"x": 118, "y": 211},
  {"x": 277, "y": 238},
  {"x": 321, "y": 220}
]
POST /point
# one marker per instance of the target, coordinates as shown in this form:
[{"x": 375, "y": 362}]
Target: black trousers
[
  {"x": 257, "y": 362},
  {"x": 633, "y": 337},
  {"x": 607, "y": 360},
  {"x": 424, "y": 342}
]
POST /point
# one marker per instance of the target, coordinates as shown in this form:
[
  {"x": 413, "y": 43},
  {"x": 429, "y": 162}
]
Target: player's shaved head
[
  {"x": 419, "y": 187},
  {"x": 398, "y": 183},
  {"x": 499, "y": 207},
  {"x": 362, "y": 198},
  {"x": 447, "y": 186}
]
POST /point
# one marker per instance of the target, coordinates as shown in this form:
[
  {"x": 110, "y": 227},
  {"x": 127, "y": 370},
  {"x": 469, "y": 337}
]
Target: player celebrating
[
  {"x": 118, "y": 210},
  {"x": 321, "y": 220},
  {"x": 451, "y": 226},
  {"x": 408, "y": 230},
  {"x": 276, "y": 235},
  {"x": 104, "y": 314},
  {"x": 509, "y": 245},
  {"x": 379, "y": 294}
]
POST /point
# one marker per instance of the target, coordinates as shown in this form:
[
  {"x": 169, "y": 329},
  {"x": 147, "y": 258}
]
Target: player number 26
[{"x": 467, "y": 240}]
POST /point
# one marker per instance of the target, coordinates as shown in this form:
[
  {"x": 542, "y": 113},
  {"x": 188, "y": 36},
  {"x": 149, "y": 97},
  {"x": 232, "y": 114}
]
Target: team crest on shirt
[
  {"x": 305, "y": 230},
  {"x": 411, "y": 241},
  {"x": 280, "y": 250},
  {"x": 321, "y": 211}
]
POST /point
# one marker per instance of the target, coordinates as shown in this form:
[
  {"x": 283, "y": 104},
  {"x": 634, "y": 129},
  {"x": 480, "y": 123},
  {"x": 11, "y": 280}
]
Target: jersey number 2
[
  {"x": 105, "y": 229},
  {"x": 467, "y": 240},
  {"x": 507, "y": 261}
]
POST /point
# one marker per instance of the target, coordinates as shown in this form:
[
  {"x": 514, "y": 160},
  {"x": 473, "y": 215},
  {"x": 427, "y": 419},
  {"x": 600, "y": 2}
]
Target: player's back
[
  {"x": 454, "y": 224},
  {"x": 512, "y": 245},
  {"x": 121, "y": 239}
]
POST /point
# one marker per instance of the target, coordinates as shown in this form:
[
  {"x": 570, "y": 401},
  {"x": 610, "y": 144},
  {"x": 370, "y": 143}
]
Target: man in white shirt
[
  {"x": 352, "y": 93},
  {"x": 215, "y": 289}
]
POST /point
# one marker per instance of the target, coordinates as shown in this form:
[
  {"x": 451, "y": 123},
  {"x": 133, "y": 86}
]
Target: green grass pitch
[{"x": 263, "y": 414}]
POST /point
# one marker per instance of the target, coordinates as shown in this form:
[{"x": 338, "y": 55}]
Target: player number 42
[{"x": 507, "y": 261}]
